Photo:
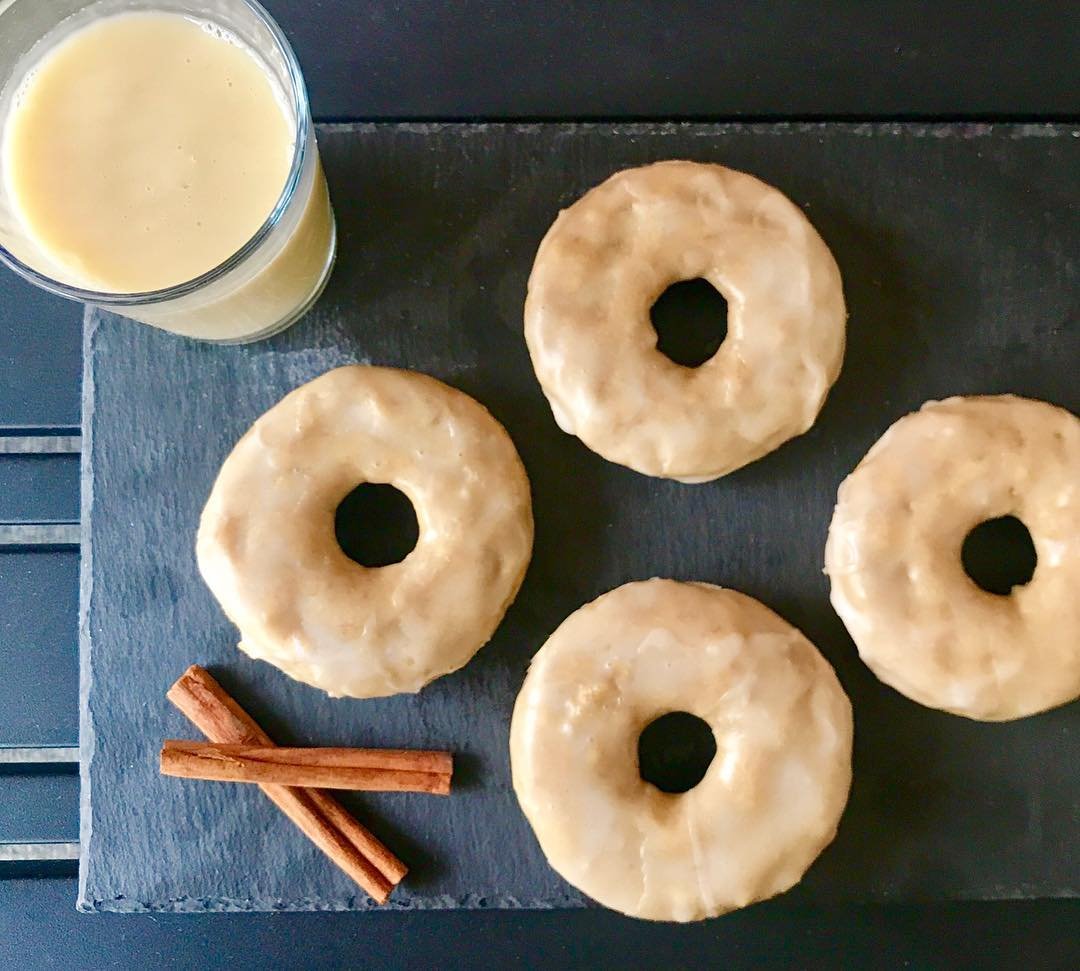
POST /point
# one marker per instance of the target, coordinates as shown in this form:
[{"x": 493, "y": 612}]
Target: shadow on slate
[{"x": 957, "y": 248}]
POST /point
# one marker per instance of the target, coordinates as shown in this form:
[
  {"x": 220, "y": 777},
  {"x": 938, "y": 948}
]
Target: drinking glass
[{"x": 278, "y": 273}]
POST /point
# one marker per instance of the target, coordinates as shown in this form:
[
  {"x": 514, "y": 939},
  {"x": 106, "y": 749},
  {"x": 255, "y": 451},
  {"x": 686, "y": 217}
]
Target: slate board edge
[
  {"x": 359, "y": 904},
  {"x": 86, "y": 591},
  {"x": 865, "y": 129}
]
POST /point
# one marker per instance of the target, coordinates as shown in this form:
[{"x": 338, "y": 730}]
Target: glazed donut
[
  {"x": 771, "y": 798},
  {"x": 266, "y": 544},
  {"x": 601, "y": 267},
  {"x": 893, "y": 556}
]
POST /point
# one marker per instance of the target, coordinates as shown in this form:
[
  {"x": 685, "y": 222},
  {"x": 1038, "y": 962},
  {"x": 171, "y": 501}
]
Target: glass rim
[{"x": 301, "y": 107}]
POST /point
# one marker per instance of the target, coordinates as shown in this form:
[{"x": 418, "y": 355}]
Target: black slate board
[{"x": 958, "y": 248}]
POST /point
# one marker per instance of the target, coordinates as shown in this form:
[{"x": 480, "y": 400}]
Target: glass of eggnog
[{"x": 158, "y": 159}]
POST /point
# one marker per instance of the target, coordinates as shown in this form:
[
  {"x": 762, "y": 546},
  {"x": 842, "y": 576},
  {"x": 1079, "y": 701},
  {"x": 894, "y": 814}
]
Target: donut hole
[
  {"x": 999, "y": 555},
  {"x": 375, "y": 525},
  {"x": 690, "y": 320},
  {"x": 675, "y": 751}
]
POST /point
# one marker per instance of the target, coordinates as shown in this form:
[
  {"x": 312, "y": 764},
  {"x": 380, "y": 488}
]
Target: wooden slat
[
  {"x": 39, "y": 806},
  {"x": 47, "y": 755},
  {"x": 38, "y": 487},
  {"x": 44, "y": 534},
  {"x": 39, "y": 665},
  {"x": 40, "y": 444},
  {"x": 37, "y": 852},
  {"x": 39, "y": 359}
]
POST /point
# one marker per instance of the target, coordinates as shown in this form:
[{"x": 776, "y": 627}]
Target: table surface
[{"x": 577, "y": 59}]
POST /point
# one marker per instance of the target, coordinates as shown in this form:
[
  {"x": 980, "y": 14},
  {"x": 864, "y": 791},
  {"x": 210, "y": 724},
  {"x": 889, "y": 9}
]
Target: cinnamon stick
[
  {"x": 319, "y": 815},
  {"x": 372, "y": 770}
]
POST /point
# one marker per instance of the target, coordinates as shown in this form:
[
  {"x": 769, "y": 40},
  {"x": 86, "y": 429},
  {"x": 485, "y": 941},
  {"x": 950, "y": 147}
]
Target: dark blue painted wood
[
  {"x": 37, "y": 808},
  {"x": 40, "y": 357},
  {"x": 39, "y": 668},
  {"x": 957, "y": 247},
  {"x": 39, "y": 488},
  {"x": 703, "y": 58},
  {"x": 39, "y": 928}
]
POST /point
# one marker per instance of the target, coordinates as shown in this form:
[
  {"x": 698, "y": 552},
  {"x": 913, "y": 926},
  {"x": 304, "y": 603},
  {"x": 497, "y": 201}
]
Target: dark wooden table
[{"x": 418, "y": 59}]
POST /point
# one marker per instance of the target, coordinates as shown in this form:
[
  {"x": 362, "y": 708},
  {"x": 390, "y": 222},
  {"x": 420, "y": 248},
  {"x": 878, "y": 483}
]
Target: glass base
[{"x": 287, "y": 322}]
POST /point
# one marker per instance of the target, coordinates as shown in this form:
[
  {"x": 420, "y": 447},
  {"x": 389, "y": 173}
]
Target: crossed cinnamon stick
[
  {"x": 360, "y": 769},
  {"x": 293, "y": 778}
]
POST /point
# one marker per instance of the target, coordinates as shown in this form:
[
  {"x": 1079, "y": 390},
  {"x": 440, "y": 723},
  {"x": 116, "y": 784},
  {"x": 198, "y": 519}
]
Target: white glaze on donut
[
  {"x": 893, "y": 556},
  {"x": 603, "y": 264},
  {"x": 770, "y": 800},
  {"x": 267, "y": 549}
]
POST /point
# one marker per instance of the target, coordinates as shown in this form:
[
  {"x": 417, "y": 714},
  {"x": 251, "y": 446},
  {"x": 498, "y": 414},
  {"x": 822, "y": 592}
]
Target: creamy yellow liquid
[{"x": 143, "y": 150}]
